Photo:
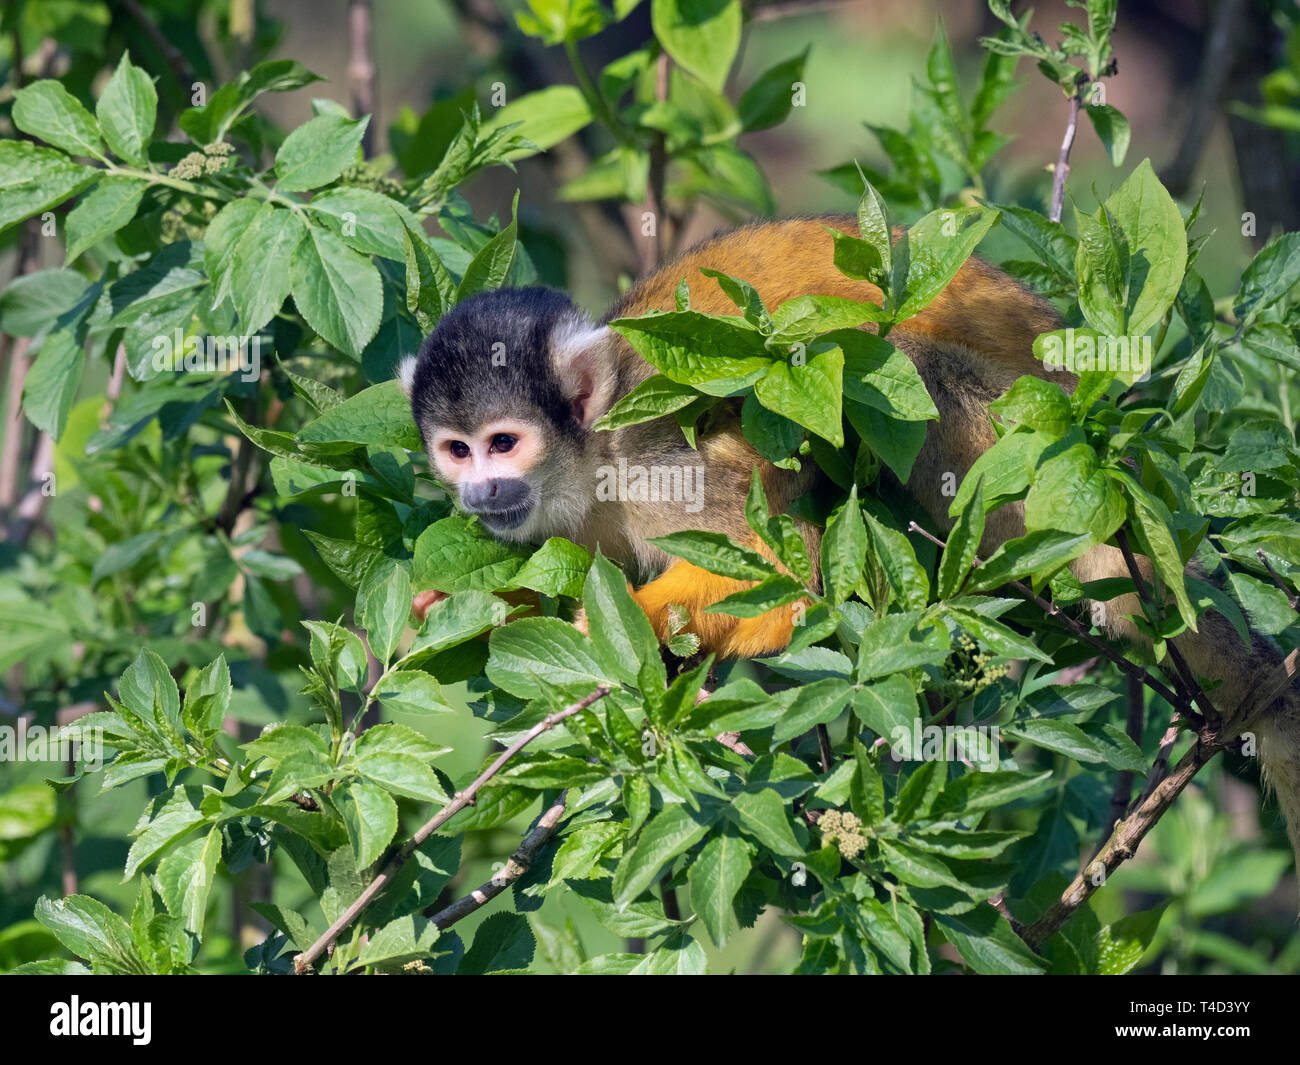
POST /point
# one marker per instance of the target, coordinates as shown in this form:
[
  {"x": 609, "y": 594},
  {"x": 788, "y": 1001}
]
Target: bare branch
[
  {"x": 304, "y": 961},
  {"x": 519, "y": 864},
  {"x": 1123, "y": 842},
  {"x": 1062, "y": 169}
]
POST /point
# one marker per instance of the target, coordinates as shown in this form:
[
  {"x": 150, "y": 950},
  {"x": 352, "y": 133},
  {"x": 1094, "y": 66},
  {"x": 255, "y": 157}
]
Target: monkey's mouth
[{"x": 509, "y": 518}]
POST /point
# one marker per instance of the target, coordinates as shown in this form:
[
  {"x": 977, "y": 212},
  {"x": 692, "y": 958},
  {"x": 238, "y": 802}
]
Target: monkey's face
[
  {"x": 505, "y": 392},
  {"x": 491, "y": 471}
]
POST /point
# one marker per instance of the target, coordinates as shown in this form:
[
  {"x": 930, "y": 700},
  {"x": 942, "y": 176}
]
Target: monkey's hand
[{"x": 422, "y": 602}]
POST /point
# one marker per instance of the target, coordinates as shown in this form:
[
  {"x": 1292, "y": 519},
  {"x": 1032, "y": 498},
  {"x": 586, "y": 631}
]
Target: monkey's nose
[{"x": 497, "y": 494}]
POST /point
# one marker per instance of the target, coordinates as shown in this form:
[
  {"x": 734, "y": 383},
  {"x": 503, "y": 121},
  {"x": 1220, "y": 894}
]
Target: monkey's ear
[
  {"x": 584, "y": 362},
  {"x": 406, "y": 374}
]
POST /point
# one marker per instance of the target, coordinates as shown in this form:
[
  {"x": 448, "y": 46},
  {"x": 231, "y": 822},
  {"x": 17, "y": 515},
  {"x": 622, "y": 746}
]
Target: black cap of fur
[{"x": 455, "y": 382}]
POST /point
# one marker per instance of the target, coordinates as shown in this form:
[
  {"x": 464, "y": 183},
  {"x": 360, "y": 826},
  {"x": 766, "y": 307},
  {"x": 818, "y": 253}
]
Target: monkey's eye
[
  {"x": 503, "y": 442},
  {"x": 459, "y": 449}
]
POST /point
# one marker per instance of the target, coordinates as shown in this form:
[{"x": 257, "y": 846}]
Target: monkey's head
[{"x": 504, "y": 392}]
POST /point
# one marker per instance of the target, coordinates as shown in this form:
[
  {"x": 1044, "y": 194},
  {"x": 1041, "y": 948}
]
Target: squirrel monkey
[{"x": 506, "y": 390}]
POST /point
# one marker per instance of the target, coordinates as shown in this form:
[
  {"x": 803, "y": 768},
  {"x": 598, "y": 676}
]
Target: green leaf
[
  {"x": 844, "y": 550},
  {"x": 1120, "y": 945},
  {"x": 763, "y": 815},
  {"x": 988, "y": 945},
  {"x": 51, "y": 383},
  {"x": 378, "y": 415},
  {"x": 672, "y": 831},
  {"x": 717, "y": 354},
  {"x": 1070, "y": 493},
  {"x": 368, "y": 221},
  {"x": 977, "y": 791},
  {"x": 400, "y": 774},
  {"x": 1037, "y": 556},
  {"x": 127, "y": 109},
  {"x": 90, "y": 930},
  {"x": 558, "y": 567},
  {"x": 164, "y": 821},
  {"x": 403, "y": 939},
  {"x": 456, "y": 555},
  {"x": 262, "y": 264},
  {"x": 318, "y": 151},
  {"x": 804, "y": 317},
  {"x": 1273, "y": 273},
  {"x": 408, "y": 691},
  {"x": 1156, "y": 524},
  {"x": 1113, "y": 130},
  {"x": 939, "y": 245},
  {"x": 45, "y": 109},
  {"x": 370, "y": 815},
  {"x": 383, "y": 606},
  {"x": 701, "y": 35},
  {"x": 769, "y": 98},
  {"x": 892, "y": 551},
  {"x": 818, "y": 703},
  {"x": 31, "y": 305},
  {"x": 503, "y": 942},
  {"x": 963, "y": 542},
  {"x": 185, "y": 878},
  {"x": 717, "y": 553},
  {"x": 430, "y": 292},
  {"x": 102, "y": 212},
  {"x": 768, "y": 594},
  {"x": 620, "y": 631},
  {"x": 489, "y": 269},
  {"x": 545, "y": 117},
  {"x": 1157, "y": 248},
  {"x": 1038, "y": 404},
  {"x": 338, "y": 292},
  {"x": 886, "y": 706},
  {"x": 531, "y": 655},
  {"x": 808, "y": 394},
  {"x": 715, "y": 877},
  {"x": 652, "y": 398},
  {"x": 33, "y": 178}
]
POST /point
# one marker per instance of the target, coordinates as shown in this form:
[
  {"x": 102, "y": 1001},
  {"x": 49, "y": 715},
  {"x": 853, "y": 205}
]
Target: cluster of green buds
[
  {"x": 212, "y": 159},
  {"x": 844, "y": 830},
  {"x": 372, "y": 175},
  {"x": 968, "y": 671}
]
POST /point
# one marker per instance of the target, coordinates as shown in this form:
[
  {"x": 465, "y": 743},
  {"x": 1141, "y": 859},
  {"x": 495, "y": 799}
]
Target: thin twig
[
  {"x": 361, "y": 68},
  {"x": 518, "y": 864},
  {"x": 1185, "y": 681},
  {"x": 1123, "y": 842},
  {"x": 1062, "y": 169},
  {"x": 1122, "y": 793},
  {"x": 1291, "y": 597},
  {"x": 303, "y": 962}
]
